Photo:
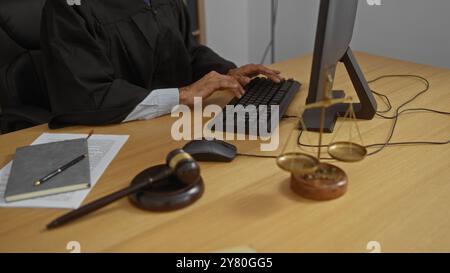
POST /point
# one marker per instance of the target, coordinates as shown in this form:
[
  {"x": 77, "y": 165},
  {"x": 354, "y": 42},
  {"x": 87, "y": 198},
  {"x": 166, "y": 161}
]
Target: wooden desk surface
[{"x": 399, "y": 197}]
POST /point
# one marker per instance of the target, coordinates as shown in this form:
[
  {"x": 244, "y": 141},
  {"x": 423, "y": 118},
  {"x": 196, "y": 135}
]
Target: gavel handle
[{"x": 104, "y": 201}]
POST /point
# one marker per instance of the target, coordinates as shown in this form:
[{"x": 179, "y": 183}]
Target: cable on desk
[
  {"x": 386, "y": 100},
  {"x": 257, "y": 156},
  {"x": 395, "y": 117},
  {"x": 286, "y": 116},
  {"x": 398, "y": 113}
]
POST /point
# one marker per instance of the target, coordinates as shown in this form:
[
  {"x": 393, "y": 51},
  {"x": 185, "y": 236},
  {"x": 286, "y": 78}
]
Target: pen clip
[{"x": 90, "y": 134}]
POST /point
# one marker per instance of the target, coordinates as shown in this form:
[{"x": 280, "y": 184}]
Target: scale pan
[
  {"x": 298, "y": 163},
  {"x": 347, "y": 151}
]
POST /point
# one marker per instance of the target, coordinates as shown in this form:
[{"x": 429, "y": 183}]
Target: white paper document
[{"x": 102, "y": 150}]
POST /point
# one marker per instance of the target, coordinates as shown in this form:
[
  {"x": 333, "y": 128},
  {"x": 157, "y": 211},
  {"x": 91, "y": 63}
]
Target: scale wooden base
[{"x": 328, "y": 182}]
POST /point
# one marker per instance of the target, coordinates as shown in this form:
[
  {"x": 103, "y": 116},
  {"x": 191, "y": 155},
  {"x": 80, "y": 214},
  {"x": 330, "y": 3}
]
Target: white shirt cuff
[{"x": 158, "y": 103}]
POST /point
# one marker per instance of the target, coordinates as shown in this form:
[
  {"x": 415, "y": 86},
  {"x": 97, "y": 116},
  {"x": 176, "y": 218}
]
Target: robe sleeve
[
  {"x": 203, "y": 59},
  {"x": 80, "y": 77}
]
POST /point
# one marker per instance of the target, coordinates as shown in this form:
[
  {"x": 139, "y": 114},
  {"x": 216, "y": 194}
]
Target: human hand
[
  {"x": 209, "y": 84},
  {"x": 245, "y": 73}
]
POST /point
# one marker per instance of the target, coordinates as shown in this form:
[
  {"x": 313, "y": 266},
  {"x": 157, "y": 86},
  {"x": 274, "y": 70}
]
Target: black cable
[
  {"x": 395, "y": 117},
  {"x": 385, "y": 100},
  {"x": 381, "y": 144},
  {"x": 287, "y": 116},
  {"x": 398, "y": 113},
  {"x": 258, "y": 156}
]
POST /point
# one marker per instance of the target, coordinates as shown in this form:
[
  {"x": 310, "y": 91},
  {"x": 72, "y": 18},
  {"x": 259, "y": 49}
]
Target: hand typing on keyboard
[
  {"x": 245, "y": 73},
  {"x": 207, "y": 85},
  {"x": 234, "y": 81}
]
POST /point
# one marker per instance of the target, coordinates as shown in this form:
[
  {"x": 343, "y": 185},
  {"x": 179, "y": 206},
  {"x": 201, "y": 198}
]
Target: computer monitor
[{"x": 333, "y": 36}]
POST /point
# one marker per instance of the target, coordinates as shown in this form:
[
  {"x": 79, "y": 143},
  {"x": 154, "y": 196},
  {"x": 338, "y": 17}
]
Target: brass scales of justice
[{"x": 310, "y": 177}]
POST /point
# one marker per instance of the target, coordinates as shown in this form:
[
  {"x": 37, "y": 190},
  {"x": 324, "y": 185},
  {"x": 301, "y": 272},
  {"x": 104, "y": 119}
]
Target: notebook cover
[{"x": 31, "y": 163}]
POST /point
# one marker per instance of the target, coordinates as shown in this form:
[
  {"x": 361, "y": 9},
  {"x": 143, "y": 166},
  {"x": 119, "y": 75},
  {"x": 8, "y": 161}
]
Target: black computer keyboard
[{"x": 260, "y": 91}]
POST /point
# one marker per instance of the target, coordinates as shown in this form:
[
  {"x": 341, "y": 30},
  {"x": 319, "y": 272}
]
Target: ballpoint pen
[{"x": 59, "y": 170}]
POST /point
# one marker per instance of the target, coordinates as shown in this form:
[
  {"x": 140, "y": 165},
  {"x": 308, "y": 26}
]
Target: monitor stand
[{"x": 365, "y": 109}]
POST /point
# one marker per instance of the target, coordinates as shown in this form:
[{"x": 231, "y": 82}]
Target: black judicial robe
[{"x": 103, "y": 57}]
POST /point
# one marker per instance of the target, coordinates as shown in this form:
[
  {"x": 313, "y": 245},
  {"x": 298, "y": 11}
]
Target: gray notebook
[{"x": 31, "y": 163}]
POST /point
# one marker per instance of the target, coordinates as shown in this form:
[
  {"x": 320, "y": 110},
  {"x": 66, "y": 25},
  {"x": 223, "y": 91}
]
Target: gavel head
[{"x": 184, "y": 167}]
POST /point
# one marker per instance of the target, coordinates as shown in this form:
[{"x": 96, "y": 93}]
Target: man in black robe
[{"x": 110, "y": 61}]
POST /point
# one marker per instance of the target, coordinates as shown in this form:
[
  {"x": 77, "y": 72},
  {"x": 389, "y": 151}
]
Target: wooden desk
[{"x": 399, "y": 197}]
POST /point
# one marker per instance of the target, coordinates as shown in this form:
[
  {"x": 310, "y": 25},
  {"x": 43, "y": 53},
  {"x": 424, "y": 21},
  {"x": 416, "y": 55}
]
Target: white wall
[
  {"x": 227, "y": 29},
  {"x": 295, "y": 27},
  {"x": 416, "y": 30}
]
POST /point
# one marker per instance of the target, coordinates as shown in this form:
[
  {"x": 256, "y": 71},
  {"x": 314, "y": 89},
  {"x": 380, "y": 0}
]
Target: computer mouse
[{"x": 211, "y": 150}]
